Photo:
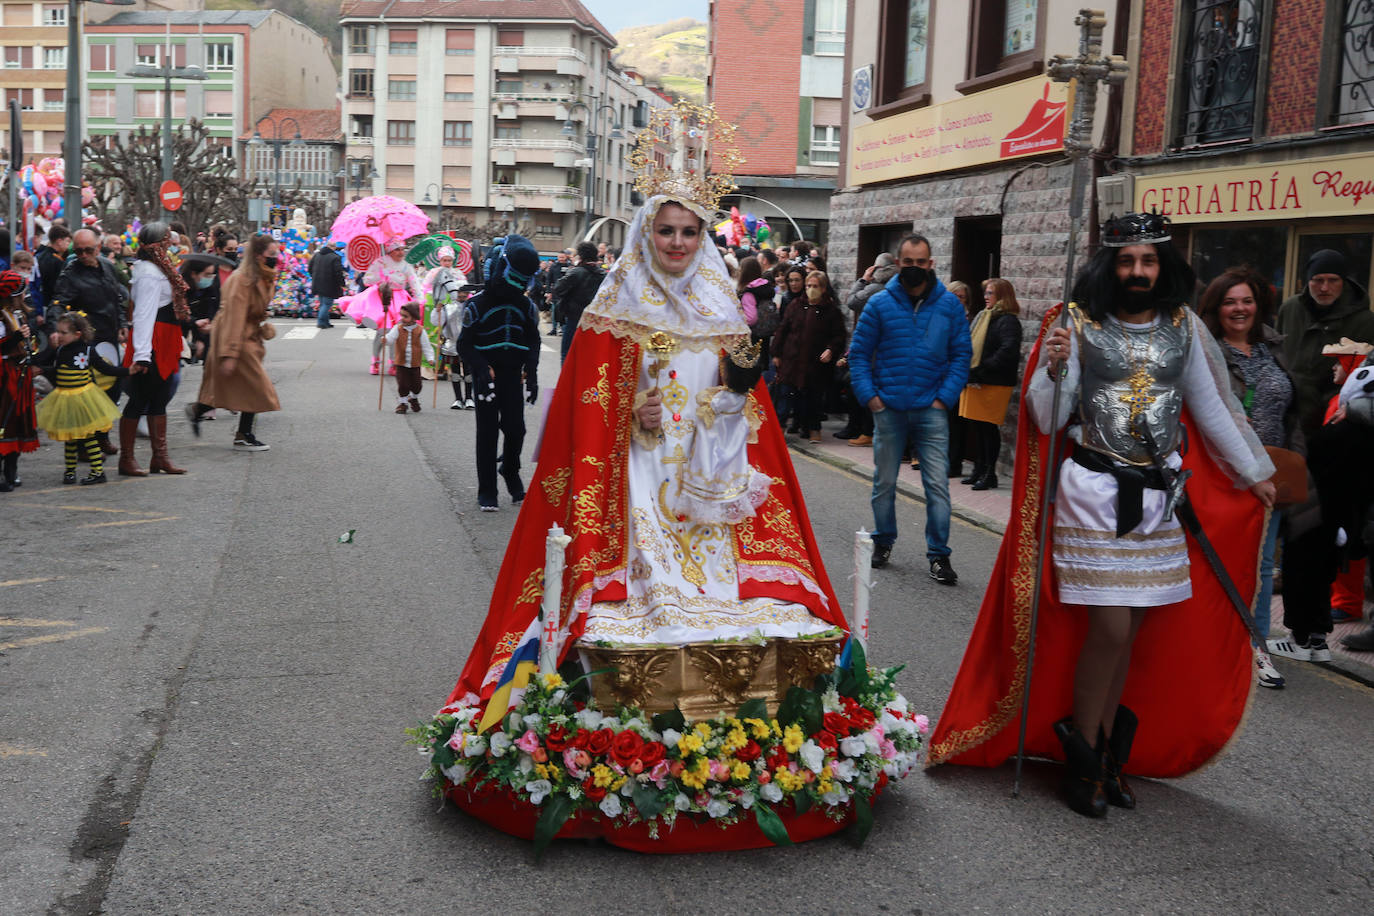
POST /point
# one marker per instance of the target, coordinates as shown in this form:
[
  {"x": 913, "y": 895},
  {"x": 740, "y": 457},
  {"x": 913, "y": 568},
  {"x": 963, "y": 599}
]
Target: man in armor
[{"x": 1135, "y": 370}]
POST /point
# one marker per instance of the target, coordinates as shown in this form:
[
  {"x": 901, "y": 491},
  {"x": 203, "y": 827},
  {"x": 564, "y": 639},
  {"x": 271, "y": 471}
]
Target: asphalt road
[{"x": 204, "y": 694}]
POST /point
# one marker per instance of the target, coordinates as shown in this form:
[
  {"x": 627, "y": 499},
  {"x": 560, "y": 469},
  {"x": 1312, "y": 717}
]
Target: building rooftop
[
  {"x": 253, "y": 18},
  {"x": 318, "y": 124},
  {"x": 506, "y": 11}
]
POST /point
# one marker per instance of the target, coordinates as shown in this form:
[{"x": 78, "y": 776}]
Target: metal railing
[
  {"x": 542, "y": 97},
  {"x": 523, "y": 51},
  {"x": 555, "y": 190},
  {"x": 522, "y": 143}
]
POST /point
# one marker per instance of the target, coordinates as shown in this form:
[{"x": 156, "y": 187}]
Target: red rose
[
  {"x": 592, "y": 790},
  {"x": 599, "y": 741},
  {"x": 557, "y": 738},
  {"x": 836, "y": 724},
  {"x": 750, "y": 752},
  {"x": 626, "y": 747},
  {"x": 862, "y": 719},
  {"x": 825, "y": 740},
  {"x": 651, "y": 753},
  {"x": 579, "y": 740},
  {"x": 778, "y": 759}
]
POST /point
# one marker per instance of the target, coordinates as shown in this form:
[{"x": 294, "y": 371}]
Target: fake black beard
[{"x": 1135, "y": 301}]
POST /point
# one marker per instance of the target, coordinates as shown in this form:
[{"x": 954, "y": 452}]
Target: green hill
[{"x": 671, "y": 53}]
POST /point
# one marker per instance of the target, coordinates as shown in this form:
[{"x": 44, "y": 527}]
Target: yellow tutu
[{"x": 72, "y": 414}]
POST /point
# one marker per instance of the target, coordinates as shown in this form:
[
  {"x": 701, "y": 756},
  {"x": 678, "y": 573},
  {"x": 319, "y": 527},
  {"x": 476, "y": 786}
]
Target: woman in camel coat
[{"x": 234, "y": 376}]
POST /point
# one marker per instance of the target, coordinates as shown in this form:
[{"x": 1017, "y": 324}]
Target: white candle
[
  {"x": 863, "y": 561},
  {"x": 555, "y": 547}
]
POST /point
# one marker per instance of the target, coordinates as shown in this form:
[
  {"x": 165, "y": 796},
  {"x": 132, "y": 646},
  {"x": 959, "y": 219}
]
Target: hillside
[{"x": 673, "y": 53}]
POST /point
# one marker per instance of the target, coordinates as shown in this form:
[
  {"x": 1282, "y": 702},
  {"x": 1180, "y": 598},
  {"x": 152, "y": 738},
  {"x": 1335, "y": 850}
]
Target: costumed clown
[
  {"x": 688, "y": 539},
  {"x": 447, "y": 302},
  {"x": 391, "y": 282},
  {"x": 441, "y": 286},
  {"x": 1141, "y": 663}
]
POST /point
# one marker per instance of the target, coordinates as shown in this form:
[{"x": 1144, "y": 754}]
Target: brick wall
[
  {"x": 756, "y": 80},
  {"x": 1152, "y": 85},
  {"x": 1295, "y": 67}
]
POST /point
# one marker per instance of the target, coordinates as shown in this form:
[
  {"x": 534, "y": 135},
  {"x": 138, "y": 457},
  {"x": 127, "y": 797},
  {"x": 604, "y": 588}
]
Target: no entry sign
[{"x": 170, "y": 192}]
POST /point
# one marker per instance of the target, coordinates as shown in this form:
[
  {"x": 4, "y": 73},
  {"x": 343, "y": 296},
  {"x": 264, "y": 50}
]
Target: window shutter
[
  {"x": 510, "y": 38},
  {"x": 459, "y": 39}
]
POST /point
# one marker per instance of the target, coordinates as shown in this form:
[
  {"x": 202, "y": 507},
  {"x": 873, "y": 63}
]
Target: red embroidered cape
[
  {"x": 582, "y": 484},
  {"x": 1192, "y": 665}
]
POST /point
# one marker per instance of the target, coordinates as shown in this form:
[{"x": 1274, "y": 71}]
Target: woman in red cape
[
  {"x": 1190, "y": 672},
  {"x": 647, "y": 560}
]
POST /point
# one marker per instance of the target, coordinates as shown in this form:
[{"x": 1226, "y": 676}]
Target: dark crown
[{"x": 1136, "y": 229}]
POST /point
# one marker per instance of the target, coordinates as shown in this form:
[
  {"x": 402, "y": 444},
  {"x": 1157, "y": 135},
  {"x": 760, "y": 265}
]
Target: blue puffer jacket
[{"x": 910, "y": 359}]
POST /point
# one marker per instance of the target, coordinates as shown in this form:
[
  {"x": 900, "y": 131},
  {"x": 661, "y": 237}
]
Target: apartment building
[
  {"x": 777, "y": 73},
  {"x": 33, "y": 54},
  {"x": 290, "y": 146},
  {"x": 508, "y": 113}
]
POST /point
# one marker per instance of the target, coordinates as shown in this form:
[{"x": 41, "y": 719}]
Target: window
[
  {"x": 1004, "y": 38},
  {"x": 146, "y": 103},
  {"x": 457, "y": 133},
  {"x": 25, "y": 99},
  {"x": 360, "y": 125},
  {"x": 102, "y": 57},
  {"x": 179, "y": 104},
  {"x": 219, "y": 102},
  {"x": 219, "y": 56},
  {"x": 53, "y": 99},
  {"x": 457, "y": 178},
  {"x": 360, "y": 84},
  {"x": 510, "y": 38},
  {"x": 1219, "y": 72},
  {"x": 400, "y": 133},
  {"x": 825, "y": 145},
  {"x": 148, "y": 55},
  {"x": 400, "y": 178},
  {"x": 548, "y": 231},
  {"x": 402, "y": 41},
  {"x": 400, "y": 90},
  {"x": 360, "y": 39},
  {"x": 830, "y": 27},
  {"x": 18, "y": 57},
  {"x": 902, "y": 74},
  {"x": 17, "y": 14},
  {"x": 914, "y": 49},
  {"x": 457, "y": 88},
  {"x": 459, "y": 42},
  {"x": 54, "y": 58},
  {"x": 101, "y": 103},
  {"x": 1018, "y": 26},
  {"x": 511, "y": 87},
  {"x": 1354, "y": 102},
  {"x": 507, "y": 133},
  {"x": 54, "y": 14}
]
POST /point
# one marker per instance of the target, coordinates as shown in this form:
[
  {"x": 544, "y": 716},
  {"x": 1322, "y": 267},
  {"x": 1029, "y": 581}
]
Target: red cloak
[{"x": 1191, "y": 665}]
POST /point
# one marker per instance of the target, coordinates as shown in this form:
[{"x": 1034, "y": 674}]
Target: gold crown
[
  {"x": 688, "y": 152},
  {"x": 745, "y": 353}
]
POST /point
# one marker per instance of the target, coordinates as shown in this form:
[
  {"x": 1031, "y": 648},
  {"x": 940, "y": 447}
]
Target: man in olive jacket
[{"x": 1331, "y": 307}]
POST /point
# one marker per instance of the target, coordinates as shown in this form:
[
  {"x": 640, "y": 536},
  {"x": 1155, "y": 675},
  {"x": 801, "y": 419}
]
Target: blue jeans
[
  {"x": 1266, "y": 589},
  {"x": 929, "y": 430},
  {"x": 322, "y": 313}
]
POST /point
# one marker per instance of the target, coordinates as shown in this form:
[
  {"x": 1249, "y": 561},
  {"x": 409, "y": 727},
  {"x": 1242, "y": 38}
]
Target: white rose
[
  {"x": 718, "y": 807},
  {"x": 500, "y": 743},
  {"x": 682, "y": 802},
  {"x": 770, "y": 792},
  {"x": 671, "y": 737},
  {"x": 870, "y": 743},
  {"x": 853, "y": 747},
  {"x": 830, "y": 700},
  {"x": 746, "y": 800},
  {"x": 538, "y": 790},
  {"x": 456, "y": 774},
  {"x": 812, "y": 757},
  {"x": 610, "y": 805},
  {"x": 533, "y": 720},
  {"x": 474, "y": 746},
  {"x": 835, "y": 797},
  {"x": 888, "y": 721},
  {"x": 526, "y": 765},
  {"x": 589, "y": 719},
  {"x": 898, "y": 704},
  {"x": 845, "y": 770},
  {"x": 558, "y": 697}
]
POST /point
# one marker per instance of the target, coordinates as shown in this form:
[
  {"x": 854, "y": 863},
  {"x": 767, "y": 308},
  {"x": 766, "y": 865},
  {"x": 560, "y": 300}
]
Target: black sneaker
[
  {"x": 881, "y": 554},
  {"x": 194, "y": 416},
  {"x": 249, "y": 443},
  {"x": 68, "y": 478},
  {"x": 941, "y": 571},
  {"x": 93, "y": 478}
]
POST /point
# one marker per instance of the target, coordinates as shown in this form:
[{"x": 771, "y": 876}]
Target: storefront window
[
  {"x": 1264, "y": 249},
  {"x": 1356, "y": 246}
]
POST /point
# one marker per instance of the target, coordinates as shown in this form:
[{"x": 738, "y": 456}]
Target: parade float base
[{"x": 500, "y": 808}]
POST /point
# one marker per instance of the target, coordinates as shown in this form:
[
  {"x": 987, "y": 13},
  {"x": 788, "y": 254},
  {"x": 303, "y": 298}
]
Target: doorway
[
  {"x": 977, "y": 253},
  {"x": 874, "y": 240}
]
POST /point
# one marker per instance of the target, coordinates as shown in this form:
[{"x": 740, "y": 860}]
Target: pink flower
[
  {"x": 922, "y": 723},
  {"x": 834, "y": 766},
  {"x": 659, "y": 773},
  {"x": 570, "y": 761},
  {"x": 720, "y": 772},
  {"x": 528, "y": 741},
  {"x": 456, "y": 742},
  {"x": 886, "y": 749}
]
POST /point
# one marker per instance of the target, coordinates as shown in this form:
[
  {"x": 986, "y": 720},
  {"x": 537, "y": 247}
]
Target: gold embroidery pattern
[
  {"x": 639, "y": 334},
  {"x": 691, "y": 570},
  {"x": 775, "y": 517},
  {"x": 556, "y": 485},
  {"x": 638, "y": 617},
  {"x": 588, "y": 507},
  {"x": 647, "y": 539},
  {"x": 600, "y": 393},
  {"x": 753, "y": 415}
]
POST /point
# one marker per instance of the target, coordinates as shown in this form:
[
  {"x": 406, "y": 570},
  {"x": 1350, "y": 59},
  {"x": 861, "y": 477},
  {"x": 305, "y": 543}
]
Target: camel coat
[{"x": 237, "y": 332}]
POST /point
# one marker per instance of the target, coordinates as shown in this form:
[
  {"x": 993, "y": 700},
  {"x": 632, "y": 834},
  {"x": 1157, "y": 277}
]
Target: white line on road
[
  {"x": 8, "y": 582},
  {"x": 300, "y": 334},
  {"x": 50, "y": 637},
  {"x": 356, "y": 333}
]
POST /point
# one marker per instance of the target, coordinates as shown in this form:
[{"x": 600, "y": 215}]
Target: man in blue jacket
[{"x": 908, "y": 360}]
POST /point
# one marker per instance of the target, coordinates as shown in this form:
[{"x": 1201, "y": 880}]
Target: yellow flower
[
  {"x": 703, "y": 730},
  {"x": 824, "y": 785},
  {"x": 541, "y": 771},
  {"x": 693, "y": 779},
  {"x": 735, "y": 740},
  {"x": 615, "y": 786},
  {"x": 552, "y": 681},
  {"x": 758, "y": 728},
  {"x": 777, "y": 730},
  {"x": 689, "y": 744},
  {"x": 555, "y": 773},
  {"x": 732, "y": 722},
  {"x": 789, "y": 781},
  {"x": 740, "y": 771},
  {"x": 602, "y": 775},
  {"x": 793, "y": 739}
]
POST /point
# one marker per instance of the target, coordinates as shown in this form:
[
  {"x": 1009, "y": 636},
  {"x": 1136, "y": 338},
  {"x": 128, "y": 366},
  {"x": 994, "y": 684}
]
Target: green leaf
[
  {"x": 443, "y": 757},
  {"x": 674, "y": 720},
  {"x": 802, "y": 802},
  {"x": 648, "y": 801},
  {"x": 556, "y": 812},
  {"x": 812, "y": 713},
  {"x": 802, "y": 707},
  {"x": 589, "y": 674},
  {"x": 863, "y": 819},
  {"x": 771, "y": 825},
  {"x": 757, "y": 708}
]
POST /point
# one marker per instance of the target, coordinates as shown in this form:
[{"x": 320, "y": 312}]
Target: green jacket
[{"x": 1306, "y": 331}]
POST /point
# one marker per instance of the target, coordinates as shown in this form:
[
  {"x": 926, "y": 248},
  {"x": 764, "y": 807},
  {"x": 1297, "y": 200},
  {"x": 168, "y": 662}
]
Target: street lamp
[
  {"x": 439, "y": 204},
  {"x": 71, "y": 143},
  {"x": 277, "y": 144},
  {"x": 617, "y": 133},
  {"x": 167, "y": 72},
  {"x": 357, "y": 171}
]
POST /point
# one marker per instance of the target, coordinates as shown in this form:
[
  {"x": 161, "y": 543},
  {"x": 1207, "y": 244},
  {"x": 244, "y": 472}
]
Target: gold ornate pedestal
[{"x": 706, "y": 679}]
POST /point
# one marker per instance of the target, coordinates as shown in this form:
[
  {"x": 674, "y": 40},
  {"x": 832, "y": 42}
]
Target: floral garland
[{"x": 830, "y": 746}]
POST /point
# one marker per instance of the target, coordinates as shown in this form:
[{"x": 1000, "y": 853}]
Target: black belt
[{"x": 1131, "y": 483}]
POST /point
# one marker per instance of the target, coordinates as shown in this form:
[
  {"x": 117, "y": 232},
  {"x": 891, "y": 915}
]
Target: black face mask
[
  {"x": 270, "y": 261},
  {"x": 912, "y": 277}
]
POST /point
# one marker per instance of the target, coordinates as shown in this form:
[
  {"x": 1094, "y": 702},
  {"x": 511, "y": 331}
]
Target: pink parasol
[{"x": 381, "y": 218}]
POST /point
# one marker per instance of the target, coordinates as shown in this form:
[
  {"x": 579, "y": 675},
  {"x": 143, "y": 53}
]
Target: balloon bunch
[
  {"x": 296, "y": 242},
  {"x": 292, "y": 293},
  {"x": 130, "y": 235},
  {"x": 742, "y": 226},
  {"x": 41, "y": 191}
]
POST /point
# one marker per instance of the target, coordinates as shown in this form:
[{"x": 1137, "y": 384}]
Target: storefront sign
[
  {"x": 1337, "y": 186},
  {"x": 1022, "y": 119}
]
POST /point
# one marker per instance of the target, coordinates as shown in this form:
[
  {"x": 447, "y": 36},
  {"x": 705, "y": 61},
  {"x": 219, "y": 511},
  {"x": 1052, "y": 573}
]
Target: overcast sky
[{"x": 619, "y": 14}]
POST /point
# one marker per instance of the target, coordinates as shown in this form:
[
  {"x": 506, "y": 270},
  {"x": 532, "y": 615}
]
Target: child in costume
[
  {"x": 409, "y": 344},
  {"x": 391, "y": 282},
  {"x": 18, "y": 431},
  {"x": 78, "y": 408},
  {"x": 445, "y": 287}
]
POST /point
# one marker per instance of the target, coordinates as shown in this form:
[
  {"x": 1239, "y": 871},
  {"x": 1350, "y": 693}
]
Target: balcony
[
  {"x": 560, "y": 153},
  {"x": 359, "y": 140},
  {"x": 513, "y": 105},
  {"x": 558, "y": 198},
  {"x": 565, "y": 61}
]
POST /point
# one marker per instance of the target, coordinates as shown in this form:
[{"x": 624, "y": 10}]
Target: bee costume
[{"x": 78, "y": 407}]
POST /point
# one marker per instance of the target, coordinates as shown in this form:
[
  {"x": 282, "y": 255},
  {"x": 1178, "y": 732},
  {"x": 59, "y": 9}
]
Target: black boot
[
  {"x": 977, "y": 475},
  {"x": 1083, "y": 784},
  {"x": 1115, "y": 752},
  {"x": 987, "y": 482},
  {"x": 11, "y": 470}
]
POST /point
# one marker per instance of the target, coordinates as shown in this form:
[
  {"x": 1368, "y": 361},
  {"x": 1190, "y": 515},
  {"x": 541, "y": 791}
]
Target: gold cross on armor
[{"x": 1139, "y": 399}]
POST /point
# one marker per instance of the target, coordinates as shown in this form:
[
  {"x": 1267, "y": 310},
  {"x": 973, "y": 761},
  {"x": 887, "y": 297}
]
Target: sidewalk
[{"x": 990, "y": 509}]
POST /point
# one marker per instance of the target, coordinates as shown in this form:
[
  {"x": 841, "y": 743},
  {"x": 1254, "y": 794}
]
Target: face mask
[
  {"x": 204, "y": 282},
  {"x": 813, "y": 294},
  {"x": 270, "y": 261},
  {"x": 913, "y": 277}
]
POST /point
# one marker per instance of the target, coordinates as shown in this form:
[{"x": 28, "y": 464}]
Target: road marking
[
  {"x": 546, "y": 348},
  {"x": 8, "y": 582},
  {"x": 356, "y": 333},
  {"x": 300, "y": 334},
  {"x": 81, "y": 508},
  {"x": 34, "y": 622},
  {"x": 11, "y": 750},
  {"x": 50, "y": 637},
  {"x": 135, "y": 521}
]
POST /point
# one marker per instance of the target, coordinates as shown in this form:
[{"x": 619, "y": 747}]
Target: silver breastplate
[{"x": 1132, "y": 377}]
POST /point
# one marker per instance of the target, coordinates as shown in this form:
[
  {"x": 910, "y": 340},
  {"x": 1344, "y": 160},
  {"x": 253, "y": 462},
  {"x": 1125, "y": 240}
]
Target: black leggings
[{"x": 148, "y": 394}]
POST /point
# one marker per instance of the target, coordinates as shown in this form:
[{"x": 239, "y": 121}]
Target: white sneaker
[
  {"x": 468, "y": 404},
  {"x": 1266, "y": 675},
  {"x": 1317, "y": 649},
  {"x": 456, "y": 405},
  {"x": 1290, "y": 649}
]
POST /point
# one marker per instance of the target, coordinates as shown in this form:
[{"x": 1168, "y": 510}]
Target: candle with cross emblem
[
  {"x": 863, "y": 585},
  {"x": 555, "y": 547}
]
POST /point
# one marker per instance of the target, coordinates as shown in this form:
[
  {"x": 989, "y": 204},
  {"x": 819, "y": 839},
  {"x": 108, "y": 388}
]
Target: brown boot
[
  {"x": 128, "y": 432},
  {"x": 106, "y": 446},
  {"x": 157, "y": 432}
]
